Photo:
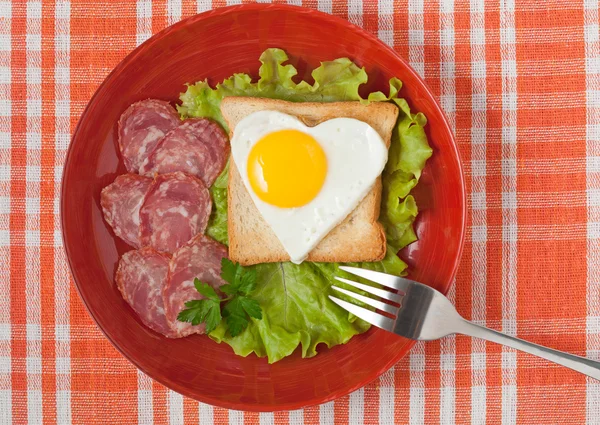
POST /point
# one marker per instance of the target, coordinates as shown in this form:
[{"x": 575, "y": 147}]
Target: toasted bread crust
[{"x": 360, "y": 237}]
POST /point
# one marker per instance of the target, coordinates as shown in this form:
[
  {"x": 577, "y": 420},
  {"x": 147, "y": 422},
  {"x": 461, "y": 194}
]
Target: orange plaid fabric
[{"x": 520, "y": 82}]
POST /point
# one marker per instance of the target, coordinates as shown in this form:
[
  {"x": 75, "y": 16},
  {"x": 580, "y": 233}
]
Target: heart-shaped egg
[{"x": 306, "y": 180}]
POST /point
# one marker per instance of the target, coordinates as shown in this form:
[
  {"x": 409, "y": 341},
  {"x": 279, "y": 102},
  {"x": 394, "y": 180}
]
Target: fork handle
[{"x": 580, "y": 364}]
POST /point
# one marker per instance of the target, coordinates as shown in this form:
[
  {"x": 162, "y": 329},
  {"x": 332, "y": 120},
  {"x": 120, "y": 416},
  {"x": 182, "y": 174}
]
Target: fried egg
[{"x": 306, "y": 180}]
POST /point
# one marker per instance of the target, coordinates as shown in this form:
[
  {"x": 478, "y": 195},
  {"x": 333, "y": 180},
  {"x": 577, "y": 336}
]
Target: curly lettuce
[{"x": 294, "y": 298}]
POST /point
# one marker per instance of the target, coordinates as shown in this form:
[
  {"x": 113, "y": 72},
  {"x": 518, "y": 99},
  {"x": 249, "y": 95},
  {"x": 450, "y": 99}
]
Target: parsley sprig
[{"x": 238, "y": 307}]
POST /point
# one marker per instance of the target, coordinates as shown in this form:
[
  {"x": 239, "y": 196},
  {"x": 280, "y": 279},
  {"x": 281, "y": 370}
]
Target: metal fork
[{"x": 422, "y": 313}]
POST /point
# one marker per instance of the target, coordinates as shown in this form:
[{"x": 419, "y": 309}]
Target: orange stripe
[
  {"x": 312, "y": 4},
  {"x": 17, "y": 216},
  {"x": 493, "y": 218},
  {"x": 340, "y": 8},
  {"x": 371, "y": 403},
  {"x": 463, "y": 120},
  {"x": 432, "y": 382},
  {"x": 431, "y": 24},
  {"x": 159, "y": 15},
  {"x": 47, "y": 215},
  {"x": 311, "y": 415},
  {"x": 190, "y": 411},
  {"x": 370, "y": 17},
  {"x": 159, "y": 403},
  {"x": 340, "y": 410},
  {"x": 218, "y": 3},
  {"x": 221, "y": 416},
  {"x": 402, "y": 391},
  {"x": 251, "y": 418},
  {"x": 401, "y": 27},
  {"x": 188, "y": 8},
  {"x": 282, "y": 417}
]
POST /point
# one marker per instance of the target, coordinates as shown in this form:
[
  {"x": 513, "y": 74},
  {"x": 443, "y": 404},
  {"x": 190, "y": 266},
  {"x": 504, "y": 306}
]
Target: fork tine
[
  {"x": 371, "y": 290},
  {"x": 388, "y": 280},
  {"x": 369, "y": 301},
  {"x": 367, "y": 315}
]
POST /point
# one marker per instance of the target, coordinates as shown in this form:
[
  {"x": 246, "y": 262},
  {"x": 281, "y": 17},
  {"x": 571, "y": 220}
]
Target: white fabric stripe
[
  {"x": 416, "y": 36},
  {"x": 447, "y": 372},
  {"x": 508, "y": 56},
  {"x": 355, "y": 12},
  {"x": 144, "y": 21},
  {"x": 236, "y": 417},
  {"x": 175, "y": 402},
  {"x": 32, "y": 235},
  {"x": 62, "y": 286},
  {"x": 417, "y": 385},
  {"x": 203, "y": 5},
  {"x": 34, "y": 407},
  {"x": 386, "y": 22},
  {"x": 144, "y": 399},
  {"x": 267, "y": 418},
  {"x": 326, "y": 415},
  {"x": 448, "y": 100},
  {"x": 205, "y": 413},
  {"x": 386, "y": 397},
  {"x": 478, "y": 215},
  {"x": 386, "y": 405},
  {"x": 5, "y": 406},
  {"x": 145, "y": 404},
  {"x": 63, "y": 407},
  {"x": 325, "y": 6},
  {"x": 356, "y": 407},
  {"x": 592, "y": 54},
  {"x": 296, "y": 417},
  {"x": 173, "y": 11}
]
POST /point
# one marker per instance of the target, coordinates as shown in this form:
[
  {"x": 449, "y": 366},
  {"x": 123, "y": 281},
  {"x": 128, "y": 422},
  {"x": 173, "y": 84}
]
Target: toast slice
[{"x": 359, "y": 237}]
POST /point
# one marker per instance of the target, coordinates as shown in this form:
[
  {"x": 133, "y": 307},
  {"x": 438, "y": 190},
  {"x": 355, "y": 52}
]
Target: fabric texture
[{"x": 520, "y": 83}]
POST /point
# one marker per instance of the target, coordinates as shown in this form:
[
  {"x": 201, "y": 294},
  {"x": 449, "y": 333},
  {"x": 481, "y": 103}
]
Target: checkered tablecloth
[{"x": 520, "y": 82}]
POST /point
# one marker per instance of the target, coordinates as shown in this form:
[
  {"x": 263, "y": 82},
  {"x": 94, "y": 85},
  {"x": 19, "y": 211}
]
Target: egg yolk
[{"x": 287, "y": 168}]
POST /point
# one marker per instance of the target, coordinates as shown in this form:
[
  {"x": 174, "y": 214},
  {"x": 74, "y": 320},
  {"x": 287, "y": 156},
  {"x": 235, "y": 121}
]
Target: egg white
[{"x": 356, "y": 155}]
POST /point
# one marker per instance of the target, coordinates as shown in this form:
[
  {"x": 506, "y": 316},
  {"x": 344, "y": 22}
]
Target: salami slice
[
  {"x": 198, "y": 147},
  {"x": 200, "y": 258},
  {"x": 141, "y": 278},
  {"x": 141, "y": 127},
  {"x": 176, "y": 208},
  {"x": 121, "y": 201}
]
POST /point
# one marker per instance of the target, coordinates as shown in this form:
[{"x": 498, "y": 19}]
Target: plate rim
[{"x": 338, "y": 21}]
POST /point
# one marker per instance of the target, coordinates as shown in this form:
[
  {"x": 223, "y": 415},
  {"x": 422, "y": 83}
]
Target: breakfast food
[
  {"x": 338, "y": 224},
  {"x": 201, "y": 259},
  {"x": 176, "y": 208},
  {"x": 141, "y": 127},
  {"x": 198, "y": 147},
  {"x": 121, "y": 202},
  {"x": 310, "y": 179},
  {"x": 141, "y": 276}
]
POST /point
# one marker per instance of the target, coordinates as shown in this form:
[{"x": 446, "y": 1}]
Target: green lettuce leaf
[
  {"x": 294, "y": 298},
  {"x": 217, "y": 224},
  {"x": 297, "y": 310}
]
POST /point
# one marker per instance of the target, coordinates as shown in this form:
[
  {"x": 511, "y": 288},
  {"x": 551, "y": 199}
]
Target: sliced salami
[
  {"x": 141, "y": 278},
  {"x": 176, "y": 208},
  {"x": 141, "y": 127},
  {"x": 121, "y": 202},
  {"x": 200, "y": 258},
  {"x": 198, "y": 147}
]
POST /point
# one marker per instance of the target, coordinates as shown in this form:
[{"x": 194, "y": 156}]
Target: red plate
[{"x": 215, "y": 45}]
